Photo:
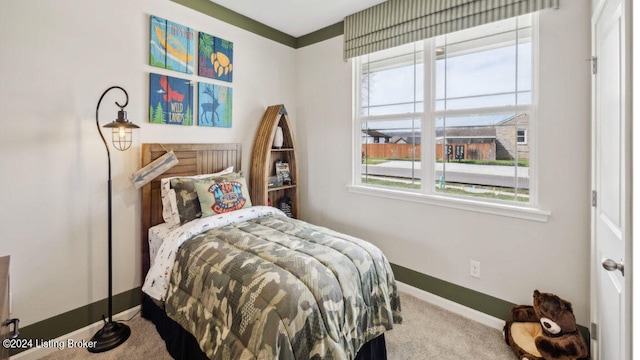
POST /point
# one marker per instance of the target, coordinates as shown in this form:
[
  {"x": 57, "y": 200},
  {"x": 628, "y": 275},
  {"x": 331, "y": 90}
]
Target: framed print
[
  {"x": 215, "y": 57},
  {"x": 172, "y": 46},
  {"x": 215, "y": 105},
  {"x": 170, "y": 100}
]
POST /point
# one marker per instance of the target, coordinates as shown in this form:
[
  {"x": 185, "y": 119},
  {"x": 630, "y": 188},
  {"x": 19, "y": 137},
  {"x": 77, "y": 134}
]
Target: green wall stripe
[
  {"x": 470, "y": 298},
  {"x": 73, "y": 320},
  {"x": 231, "y": 17},
  {"x": 320, "y": 35}
]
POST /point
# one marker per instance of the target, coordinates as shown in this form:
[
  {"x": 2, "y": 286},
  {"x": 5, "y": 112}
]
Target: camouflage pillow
[
  {"x": 217, "y": 197},
  {"x": 187, "y": 197}
]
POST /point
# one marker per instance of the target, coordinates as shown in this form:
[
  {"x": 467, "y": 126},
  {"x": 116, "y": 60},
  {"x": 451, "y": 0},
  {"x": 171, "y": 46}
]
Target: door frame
[
  {"x": 626, "y": 93},
  {"x": 635, "y": 171}
]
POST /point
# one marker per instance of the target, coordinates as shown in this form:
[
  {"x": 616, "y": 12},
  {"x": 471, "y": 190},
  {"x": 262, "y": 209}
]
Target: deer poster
[{"x": 214, "y": 104}]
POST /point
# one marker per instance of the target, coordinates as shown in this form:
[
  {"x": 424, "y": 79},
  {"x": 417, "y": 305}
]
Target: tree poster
[{"x": 170, "y": 100}]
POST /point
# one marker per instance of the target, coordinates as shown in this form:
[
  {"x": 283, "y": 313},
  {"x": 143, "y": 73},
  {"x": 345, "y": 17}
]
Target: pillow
[
  {"x": 187, "y": 197},
  {"x": 217, "y": 197},
  {"x": 169, "y": 206}
]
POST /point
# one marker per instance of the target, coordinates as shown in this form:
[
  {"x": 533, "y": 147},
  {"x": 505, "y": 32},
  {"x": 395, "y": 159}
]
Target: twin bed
[{"x": 236, "y": 281}]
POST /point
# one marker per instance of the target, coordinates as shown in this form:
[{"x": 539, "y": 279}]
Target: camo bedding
[{"x": 279, "y": 288}]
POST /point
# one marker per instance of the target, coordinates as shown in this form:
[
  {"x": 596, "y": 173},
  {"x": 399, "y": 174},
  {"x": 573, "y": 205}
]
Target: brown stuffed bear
[{"x": 545, "y": 331}]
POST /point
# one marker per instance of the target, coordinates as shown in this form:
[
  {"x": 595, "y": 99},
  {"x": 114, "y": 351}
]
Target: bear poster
[
  {"x": 172, "y": 46},
  {"x": 215, "y": 58},
  {"x": 170, "y": 100},
  {"x": 214, "y": 104}
]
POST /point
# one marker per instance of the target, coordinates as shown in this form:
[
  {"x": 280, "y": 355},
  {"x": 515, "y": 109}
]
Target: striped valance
[{"x": 396, "y": 22}]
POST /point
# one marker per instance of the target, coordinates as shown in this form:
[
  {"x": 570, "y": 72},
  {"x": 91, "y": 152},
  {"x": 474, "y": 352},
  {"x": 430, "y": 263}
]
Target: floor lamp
[{"x": 113, "y": 333}]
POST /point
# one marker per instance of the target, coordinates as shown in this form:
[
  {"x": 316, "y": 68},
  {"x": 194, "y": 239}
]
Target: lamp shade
[{"x": 121, "y": 135}]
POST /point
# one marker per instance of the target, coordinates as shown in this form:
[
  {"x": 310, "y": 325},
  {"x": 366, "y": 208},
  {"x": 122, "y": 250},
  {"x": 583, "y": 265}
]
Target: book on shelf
[
  {"x": 282, "y": 169},
  {"x": 286, "y": 206}
]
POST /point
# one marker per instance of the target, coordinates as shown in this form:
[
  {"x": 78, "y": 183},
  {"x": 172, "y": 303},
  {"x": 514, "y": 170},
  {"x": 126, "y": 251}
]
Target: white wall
[
  {"x": 57, "y": 59},
  {"x": 517, "y": 256}
]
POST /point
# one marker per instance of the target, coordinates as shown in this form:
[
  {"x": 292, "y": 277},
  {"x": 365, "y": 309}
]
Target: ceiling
[{"x": 297, "y": 17}]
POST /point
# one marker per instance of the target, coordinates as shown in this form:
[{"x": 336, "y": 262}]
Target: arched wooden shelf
[{"x": 264, "y": 157}]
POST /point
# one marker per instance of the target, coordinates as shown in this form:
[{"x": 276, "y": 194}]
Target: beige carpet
[
  {"x": 430, "y": 332},
  {"x": 427, "y": 332}
]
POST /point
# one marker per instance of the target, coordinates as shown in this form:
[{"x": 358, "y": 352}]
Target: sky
[{"x": 476, "y": 73}]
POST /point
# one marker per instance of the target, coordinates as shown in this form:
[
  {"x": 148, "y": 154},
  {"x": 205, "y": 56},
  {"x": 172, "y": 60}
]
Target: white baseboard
[
  {"x": 85, "y": 333},
  {"x": 452, "y": 306}
]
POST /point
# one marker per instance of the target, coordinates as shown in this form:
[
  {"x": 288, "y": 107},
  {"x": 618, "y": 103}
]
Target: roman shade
[{"x": 396, "y": 22}]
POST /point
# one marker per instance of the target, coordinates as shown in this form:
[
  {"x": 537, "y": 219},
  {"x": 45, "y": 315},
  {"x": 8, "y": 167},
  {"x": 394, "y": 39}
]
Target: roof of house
[
  {"x": 476, "y": 126},
  {"x": 468, "y": 132},
  {"x": 475, "y": 120},
  {"x": 376, "y": 133}
]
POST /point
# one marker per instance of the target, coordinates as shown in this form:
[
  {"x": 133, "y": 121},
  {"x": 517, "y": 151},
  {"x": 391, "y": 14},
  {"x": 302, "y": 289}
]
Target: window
[
  {"x": 522, "y": 137},
  {"x": 450, "y": 116}
]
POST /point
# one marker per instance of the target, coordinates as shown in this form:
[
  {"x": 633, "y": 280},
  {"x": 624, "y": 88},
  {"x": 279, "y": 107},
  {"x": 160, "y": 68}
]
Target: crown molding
[{"x": 231, "y": 17}]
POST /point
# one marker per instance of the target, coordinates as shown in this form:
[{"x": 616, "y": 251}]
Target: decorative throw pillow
[
  {"x": 169, "y": 205},
  {"x": 217, "y": 197},
  {"x": 187, "y": 197}
]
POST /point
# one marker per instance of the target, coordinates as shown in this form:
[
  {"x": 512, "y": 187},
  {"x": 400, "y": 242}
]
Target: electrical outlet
[{"x": 475, "y": 269}]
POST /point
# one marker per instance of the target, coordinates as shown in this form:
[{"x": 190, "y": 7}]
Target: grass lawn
[
  {"x": 521, "y": 163},
  {"x": 482, "y": 192}
]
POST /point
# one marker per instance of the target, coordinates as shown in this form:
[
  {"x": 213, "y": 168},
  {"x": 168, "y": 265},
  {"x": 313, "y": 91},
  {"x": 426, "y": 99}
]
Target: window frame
[
  {"x": 428, "y": 194},
  {"x": 524, "y": 136}
]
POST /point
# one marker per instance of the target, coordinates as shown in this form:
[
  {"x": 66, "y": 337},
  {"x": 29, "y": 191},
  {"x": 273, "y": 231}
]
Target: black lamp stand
[{"x": 112, "y": 333}]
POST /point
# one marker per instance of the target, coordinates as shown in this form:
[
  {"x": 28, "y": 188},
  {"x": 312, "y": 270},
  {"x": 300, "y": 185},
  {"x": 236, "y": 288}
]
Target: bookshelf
[{"x": 265, "y": 156}]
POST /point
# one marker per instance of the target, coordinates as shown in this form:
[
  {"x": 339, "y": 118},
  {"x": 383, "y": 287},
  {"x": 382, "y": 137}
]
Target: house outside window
[{"x": 451, "y": 115}]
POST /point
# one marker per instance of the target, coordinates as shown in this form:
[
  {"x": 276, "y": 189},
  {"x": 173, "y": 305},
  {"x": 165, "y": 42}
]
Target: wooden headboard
[{"x": 193, "y": 159}]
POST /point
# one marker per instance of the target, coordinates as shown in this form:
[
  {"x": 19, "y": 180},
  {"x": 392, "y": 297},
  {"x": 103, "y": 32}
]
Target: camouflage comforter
[{"x": 279, "y": 288}]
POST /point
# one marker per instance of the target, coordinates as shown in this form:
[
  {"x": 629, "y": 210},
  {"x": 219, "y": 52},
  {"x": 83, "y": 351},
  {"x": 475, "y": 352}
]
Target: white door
[{"x": 611, "y": 224}]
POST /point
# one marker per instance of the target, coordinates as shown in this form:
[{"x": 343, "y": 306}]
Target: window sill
[{"x": 513, "y": 211}]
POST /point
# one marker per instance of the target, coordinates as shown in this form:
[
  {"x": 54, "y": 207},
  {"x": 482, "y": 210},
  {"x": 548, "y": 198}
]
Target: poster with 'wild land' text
[{"x": 170, "y": 100}]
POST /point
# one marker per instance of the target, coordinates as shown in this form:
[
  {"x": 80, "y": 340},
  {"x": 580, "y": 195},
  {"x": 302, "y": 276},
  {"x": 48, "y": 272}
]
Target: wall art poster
[
  {"x": 173, "y": 46},
  {"x": 214, "y": 104},
  {"x": 215, "y": 58},
  {"x": 170, "y": 100}
]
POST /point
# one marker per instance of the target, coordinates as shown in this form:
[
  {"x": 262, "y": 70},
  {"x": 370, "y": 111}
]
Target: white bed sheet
[
  {"x": 168, "y": 238},
  {"x": 157, "y": 234}
]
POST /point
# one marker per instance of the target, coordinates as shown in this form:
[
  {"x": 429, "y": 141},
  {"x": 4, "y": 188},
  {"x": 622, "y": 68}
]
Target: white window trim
[
  {"x": 526, "y": 137},
  {"x": 470, "y": 204},
  {"x": 429, "y": 196}
]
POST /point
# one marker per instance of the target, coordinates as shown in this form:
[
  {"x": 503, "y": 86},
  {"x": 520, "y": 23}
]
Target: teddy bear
[{"x": 545, "y": 331}]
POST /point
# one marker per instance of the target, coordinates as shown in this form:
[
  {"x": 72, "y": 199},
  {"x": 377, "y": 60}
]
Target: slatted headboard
[{"x": 193, "y": 159}]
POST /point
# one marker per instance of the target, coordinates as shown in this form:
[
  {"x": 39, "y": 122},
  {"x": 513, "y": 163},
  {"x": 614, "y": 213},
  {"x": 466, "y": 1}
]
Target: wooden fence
[
  {"x": 407, "y": 151},
  {"x": 391, "y": 151}
]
